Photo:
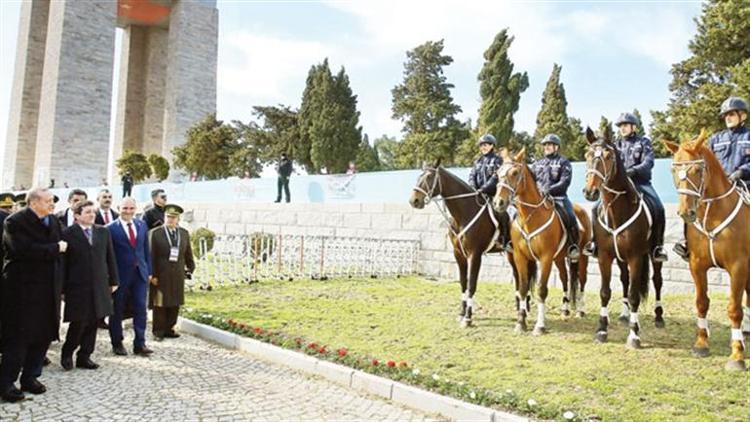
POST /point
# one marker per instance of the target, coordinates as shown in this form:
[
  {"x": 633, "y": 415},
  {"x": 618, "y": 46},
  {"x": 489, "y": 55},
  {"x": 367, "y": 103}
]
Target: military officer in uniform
[{"x": 172, "y": 262}]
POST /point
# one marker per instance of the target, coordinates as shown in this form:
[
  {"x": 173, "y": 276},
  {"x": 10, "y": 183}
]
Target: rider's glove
[
  {"x": 631, "y": 173},
  {"x": 736, "y": 176}
]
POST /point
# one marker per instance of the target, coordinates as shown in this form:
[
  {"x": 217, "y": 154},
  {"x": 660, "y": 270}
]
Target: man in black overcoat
[
  {"x": 89, "y": 279},
  {"x": 31, "y": 293}
]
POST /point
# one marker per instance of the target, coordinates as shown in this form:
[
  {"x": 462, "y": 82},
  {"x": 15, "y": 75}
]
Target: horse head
[
  {"x": 690, "y": 168},
  {"x": 601, "y": 162},
  {"x": 511, "y": 176},
  {"x": 427, "y": 187}
]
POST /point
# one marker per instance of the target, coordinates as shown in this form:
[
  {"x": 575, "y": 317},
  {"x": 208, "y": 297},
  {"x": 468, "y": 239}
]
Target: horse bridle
[
  {"x": 682, "y": 168},
  {"x": 502, "y": 175},
  {"x": 436, "y": 184},
  {"x": 608, "y": 173}
]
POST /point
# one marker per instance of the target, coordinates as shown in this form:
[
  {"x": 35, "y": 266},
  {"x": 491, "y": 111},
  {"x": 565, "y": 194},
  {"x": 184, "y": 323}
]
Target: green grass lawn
[{"x": 414, "y": 320}]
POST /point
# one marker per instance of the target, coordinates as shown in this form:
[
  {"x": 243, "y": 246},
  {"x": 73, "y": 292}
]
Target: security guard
[{"x": 553, "y": 174}]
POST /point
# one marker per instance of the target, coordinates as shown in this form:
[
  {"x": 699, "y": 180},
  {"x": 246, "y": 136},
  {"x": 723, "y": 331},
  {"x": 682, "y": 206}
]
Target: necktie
[
  {"x": 87, "y": 231},
  {"x": 172, "y": 237},
  {"x": 106, "y": 217},
  {"x": 131, "y": 235}
]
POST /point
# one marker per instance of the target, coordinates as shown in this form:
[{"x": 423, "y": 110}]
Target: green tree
[
  {"x": 248, "y": 156},
  {"x": 329, "y": 120},
  {"x": 603, "y": 124},
  {"x": 385, "y": 148},
  {"x": 717, "y": 68},
  {"x": 424, "y": 104},
  {"x": 500, "y": 89},
  {"x": 135, "y": 163},
  {"x": 577, "y": 144},
  {"x": 313, "y": 100},
  {"x": 367, "y": 156},
  {"x": 278, "y": 132},
  {"x": 159, "y": 166},
  {"x": 553, "y": 116},
  {"x": 208, "y": 150},
  {"x": 521, "y": 140}
]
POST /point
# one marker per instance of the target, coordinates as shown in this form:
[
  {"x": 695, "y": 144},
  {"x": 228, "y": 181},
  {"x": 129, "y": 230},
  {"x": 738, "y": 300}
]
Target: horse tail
[{"x": 532, "y": 267}]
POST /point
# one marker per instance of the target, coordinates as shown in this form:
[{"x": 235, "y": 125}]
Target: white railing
[{"x": 249, "y": 258}]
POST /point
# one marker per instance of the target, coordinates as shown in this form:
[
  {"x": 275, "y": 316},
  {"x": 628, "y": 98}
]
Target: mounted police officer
[
  {"x": 637, "y": 155},
  {"x": 553, "y": 174},
  {"x": 483, "y": 178},
  {"x": 732, "y": 148}
]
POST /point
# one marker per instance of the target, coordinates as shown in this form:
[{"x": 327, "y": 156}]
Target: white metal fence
[{"x": 249, "y": 258}]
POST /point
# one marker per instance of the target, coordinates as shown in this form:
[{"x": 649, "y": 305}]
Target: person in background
[
  {"x": 66, "y": 216},
  {"x": 172, "y": 261},
  {"x": 89, "y": 279},
  {"x": 154, "y": 216},
  {"x": 284, "y": 170},
  {"x": 127, "y": 184},
  {"x": 105, "y": 214}
]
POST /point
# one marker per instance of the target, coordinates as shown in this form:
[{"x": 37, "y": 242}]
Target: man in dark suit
[
  {"x": 7, "y": 201},
  {"x": 105, "y": 214},
  {"x": 89, "y": 279},
  {"x": 127, "y": 184},
  {"x": 66, "y": 216},
  {"x": 31, "y": 291},
  {"x": 154, "y": 216},
  {"x": 172, "y": 261},
  {"x": 130, "y": 241}
]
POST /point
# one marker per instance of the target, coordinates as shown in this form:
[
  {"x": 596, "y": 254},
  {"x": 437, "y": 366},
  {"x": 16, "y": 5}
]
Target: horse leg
[
  {"x": 475, "y": 262},
  {"x": 582, "y": 272},
  {"x": 746, "y": 312},
  {"x": 702, "y": 302},
  {"x": 514, "y": 268},
  {"x": 605, "y": 294},
  {"x": 562, "y": 269},
  {"x": 739, "y": 278},
  {"x": 524, "y": 273},
  {"x": 639, "y": 268},
  {"x": 658, "y": 307},
  {"x": 462, "y": 270},
  {"x": 624, "y": 317},
  {"x": 542, "y": 291}
]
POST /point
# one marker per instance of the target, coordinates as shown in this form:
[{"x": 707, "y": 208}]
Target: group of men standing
[{"x": 100, "y": 262}]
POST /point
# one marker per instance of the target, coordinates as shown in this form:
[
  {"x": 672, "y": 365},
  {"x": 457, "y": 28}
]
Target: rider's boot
[
  {"x": 590, "y": 249},
  {"x": 680, "y": 248},
  {"x": 659, "y": 254}
]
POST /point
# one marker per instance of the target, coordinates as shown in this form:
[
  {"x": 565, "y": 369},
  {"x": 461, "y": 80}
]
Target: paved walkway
[{"x": 189, "y": 379}]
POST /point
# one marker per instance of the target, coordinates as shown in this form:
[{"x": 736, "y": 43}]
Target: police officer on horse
[
  {"x": 483, "y": 178},
  {"x": 637, "y": 155},
  {"x": 553, "y": 174},
  {"x": 732, "y": 148}
]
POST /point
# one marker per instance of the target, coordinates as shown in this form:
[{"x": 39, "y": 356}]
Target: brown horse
[
  {"x": 539, "y": 236},
  {"x": 474, "y": 227},
  {"x": 621, "y": 229},
  {"x": 717, "y": 214}
]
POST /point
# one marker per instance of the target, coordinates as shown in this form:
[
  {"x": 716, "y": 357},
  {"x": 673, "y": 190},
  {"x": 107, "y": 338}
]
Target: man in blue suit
[{"x": 130, "y": 241}]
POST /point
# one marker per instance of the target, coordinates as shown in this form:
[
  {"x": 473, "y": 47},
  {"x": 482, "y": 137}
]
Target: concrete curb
[{"x": 397, "y": 392}]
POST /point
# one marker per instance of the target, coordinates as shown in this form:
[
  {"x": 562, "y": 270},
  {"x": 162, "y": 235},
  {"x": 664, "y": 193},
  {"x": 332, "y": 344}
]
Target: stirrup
[
  {"x": 573, "y": 253},
  {"x": 590, "y": 249},
  {"x": 508, "y": 247},
  {"x": 659, "y": 255},
  {"x": 680, "y": 248}
]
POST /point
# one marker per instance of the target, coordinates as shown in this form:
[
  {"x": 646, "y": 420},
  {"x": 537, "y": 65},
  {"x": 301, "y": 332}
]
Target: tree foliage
[
  {"x": 719, "y": 66},
  {"x": 423, "y": 102},
  {"x": 385, "y": 148},
  {"x": 500, "y": 90},
  {"x": 209, "y": 149},
  {"x": 159, "y": 166},
  {"x": 367, "y": 156},
  {"x": 553, "y": 118},
  {"x": 135, "y": 163}
]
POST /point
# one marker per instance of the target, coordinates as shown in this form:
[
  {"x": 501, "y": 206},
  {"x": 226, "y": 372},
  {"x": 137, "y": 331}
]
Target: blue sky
[{"x": 615, "y": 55}]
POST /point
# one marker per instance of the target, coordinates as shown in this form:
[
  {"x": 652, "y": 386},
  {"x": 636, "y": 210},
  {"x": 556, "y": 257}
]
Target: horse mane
[{"x": 456, "y": 179}]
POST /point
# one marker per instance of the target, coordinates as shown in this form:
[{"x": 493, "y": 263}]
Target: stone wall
[{"x": 400, "y": 221}]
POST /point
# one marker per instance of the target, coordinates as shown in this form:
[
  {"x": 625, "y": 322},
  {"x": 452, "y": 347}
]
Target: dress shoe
[
  {"x": 67, "y": 362},
  {"x": 119, "y": 350},
  {"x": 46, "y": 361},
  {"x": 34, "y": 387},
  {"x": 142, "y": 351},
  {"x": 12, "y": 395},
  {"x": 86, "y": 364},
  {"x": 172, "y": 334}
]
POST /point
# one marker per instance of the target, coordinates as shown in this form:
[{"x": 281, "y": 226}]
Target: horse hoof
[
  {"x": 460, "y": 318},
  {"x": 565, "y": 313},
  {"x": 736, "y": 365},
  {"x": 624, "y": 320},
  {"x": 519, "y": 329},
  {"x": 601, "y": 337},
  {"x": 580, "y": 314},
  {"x": 659, "y": 322},
  {"x": 538, "y": 331},
  {"x": 633, "y": 343},
  {"x": 700, "y": 352},
  {"x": 465, "y": 323},
  {"x": 746, "y": 335}
]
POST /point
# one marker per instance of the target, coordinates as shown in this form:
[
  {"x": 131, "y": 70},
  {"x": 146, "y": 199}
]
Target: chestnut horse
[
  {"x": 473, "y": 227},
  {"x": 622, "y": 232},
  {"x": 717, "y": 214},
  {"x": 539, "y": 236}
]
